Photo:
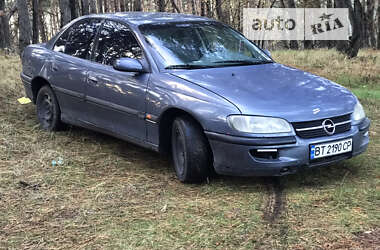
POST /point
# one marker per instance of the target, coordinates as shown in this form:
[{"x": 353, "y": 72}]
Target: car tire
[
  {"x": 48, "y": 111},
  {"x": 191, "y": 152}
]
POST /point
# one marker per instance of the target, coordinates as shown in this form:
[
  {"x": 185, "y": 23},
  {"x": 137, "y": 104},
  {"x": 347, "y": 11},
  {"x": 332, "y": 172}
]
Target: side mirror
[
  {"x": 267, "y": 52},
  {"x": 128, "y": 65}
]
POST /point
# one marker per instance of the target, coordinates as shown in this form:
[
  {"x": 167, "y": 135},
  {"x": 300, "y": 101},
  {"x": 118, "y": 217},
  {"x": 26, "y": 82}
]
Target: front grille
[{"x": 313, "y": 129}]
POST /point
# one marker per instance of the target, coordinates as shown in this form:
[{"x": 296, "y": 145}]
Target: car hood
[{"x": 274, "y": 90}]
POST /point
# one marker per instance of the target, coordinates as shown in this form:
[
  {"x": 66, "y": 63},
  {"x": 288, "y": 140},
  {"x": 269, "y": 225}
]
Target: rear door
[
  {"x": 115, "y": 100},
  {"x": 68, "y": 76}
]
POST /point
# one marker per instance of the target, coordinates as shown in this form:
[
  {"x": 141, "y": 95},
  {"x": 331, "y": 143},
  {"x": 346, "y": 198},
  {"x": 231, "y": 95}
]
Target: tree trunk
[
  {"x": 239, "y": 26},
  {"x": 106, "y": 9},
  {"x": 371, "y": 23},
  {"x": 93, "y": 7},
  {"x": 208, "y": 8},
  {"x": 219, "y": 12},
  {"x": 85, "y": 7},
  {"x": 35, "y": 21},
  {"x": 351, "y": 47},
  {"x": 137, "y": 5},
  {"x": 4, "y": 27},
  {"x": 12, "y": 10},
  {"x": 100, "y": 6},
  {"x": 161, "y": 5},
  {"x": 203, "y": 8},
  {"x": 175, "y": 7},
  {"x": 78, "y": 9},
  {"x": 64, "y": 6},
  {"x": 193, "y": 10},
  {"x": 73, "y": 9},
  {"x": 292, "y": 43},
  {"x": 364, "y": 27},
  {"x": 226, "y": 12},
  {"x": 25, "y": 29},
  {"x": 378, "y": 26},
  {"x": 283, "y": 43},
  {"x": 41, "y": 20},
  {"x": 122, "y": 5}
]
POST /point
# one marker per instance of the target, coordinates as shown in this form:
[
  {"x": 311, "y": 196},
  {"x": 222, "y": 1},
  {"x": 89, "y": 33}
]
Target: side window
[
  {"x": 78, "y": 40},
  {"x": 115, "y": 41}
]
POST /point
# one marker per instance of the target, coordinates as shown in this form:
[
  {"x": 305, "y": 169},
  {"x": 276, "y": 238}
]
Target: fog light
[
  {"x": 267, "y": 150},
  {"x": 265, "y": 153},
  {"x": 284, "y": 170},
  {"x": 366, "y": 133}
]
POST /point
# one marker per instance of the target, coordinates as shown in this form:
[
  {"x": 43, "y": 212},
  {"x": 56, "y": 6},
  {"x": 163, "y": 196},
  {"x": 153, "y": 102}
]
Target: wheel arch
[
  {"x": 37, "y": 83},
  {"x": 165, "y": 122}
]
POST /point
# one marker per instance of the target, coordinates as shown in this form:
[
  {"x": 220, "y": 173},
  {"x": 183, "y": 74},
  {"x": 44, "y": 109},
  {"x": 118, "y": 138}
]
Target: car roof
[{"x": 138, "y": 18}]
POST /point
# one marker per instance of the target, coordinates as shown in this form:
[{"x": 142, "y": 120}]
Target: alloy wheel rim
[
  {"x": 179, "y": 147},
  {"x": 45, "y": 111}
]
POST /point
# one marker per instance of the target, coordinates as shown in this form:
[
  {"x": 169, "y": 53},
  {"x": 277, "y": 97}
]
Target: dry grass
[{"x": 111, "y": 194}]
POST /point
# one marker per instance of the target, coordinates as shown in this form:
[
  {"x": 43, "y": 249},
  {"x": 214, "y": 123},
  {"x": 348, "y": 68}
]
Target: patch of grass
[
  {"x": 111, "y": 194},
  {"x": 365, "y": 93},
  {"x": 359, "y": 72}
]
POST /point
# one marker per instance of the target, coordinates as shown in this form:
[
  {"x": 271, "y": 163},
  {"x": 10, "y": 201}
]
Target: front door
[{"x": 115, "y": 100}]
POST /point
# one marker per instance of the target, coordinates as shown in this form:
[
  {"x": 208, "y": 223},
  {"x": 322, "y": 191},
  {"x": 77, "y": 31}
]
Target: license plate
[{"x": 330, "y": 148}]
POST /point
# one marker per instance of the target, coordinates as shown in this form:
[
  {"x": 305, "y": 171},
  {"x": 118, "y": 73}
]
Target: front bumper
[
  {"x": 233, "y": 155},
  {"x": 27, "y": 82}
]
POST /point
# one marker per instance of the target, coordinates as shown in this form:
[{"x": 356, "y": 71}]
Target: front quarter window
[{"x": 60, "y": 44}]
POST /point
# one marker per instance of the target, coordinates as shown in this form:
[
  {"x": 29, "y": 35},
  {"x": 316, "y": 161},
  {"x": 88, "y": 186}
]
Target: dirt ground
[{"x": 105, "y": 193}]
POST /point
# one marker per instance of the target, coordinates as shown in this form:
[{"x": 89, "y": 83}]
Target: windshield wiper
[
  {"x": 187, "y": 66},
  {"x": 222, "y": 63},
  {"x": 243, "y": 62}
]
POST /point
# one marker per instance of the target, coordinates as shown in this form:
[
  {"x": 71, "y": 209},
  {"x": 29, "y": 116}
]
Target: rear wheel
[
  {"x": 48, "y": 111},
  {"x": 190, "y": 151}
]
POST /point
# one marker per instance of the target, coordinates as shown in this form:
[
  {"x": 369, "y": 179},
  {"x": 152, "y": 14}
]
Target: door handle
[{"x": 93, "y": 79}]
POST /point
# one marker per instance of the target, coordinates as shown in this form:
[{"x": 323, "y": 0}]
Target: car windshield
[{"x": 201, "y": 45}]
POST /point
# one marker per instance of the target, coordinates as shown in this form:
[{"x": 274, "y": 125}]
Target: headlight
[
  {"x": 359, "y": 113},
  {"x": 258, "y": 124}
]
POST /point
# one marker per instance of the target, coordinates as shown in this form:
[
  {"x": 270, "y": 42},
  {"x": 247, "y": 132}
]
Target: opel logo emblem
[{"x": 328, "y": 126}]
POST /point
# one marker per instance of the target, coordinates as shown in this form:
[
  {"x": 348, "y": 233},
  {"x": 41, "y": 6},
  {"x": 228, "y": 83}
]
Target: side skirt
[{"x": 127, "y": 138}]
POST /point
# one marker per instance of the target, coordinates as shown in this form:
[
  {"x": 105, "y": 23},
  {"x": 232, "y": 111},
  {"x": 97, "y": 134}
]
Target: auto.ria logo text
[{"x": 296, "y": 24}]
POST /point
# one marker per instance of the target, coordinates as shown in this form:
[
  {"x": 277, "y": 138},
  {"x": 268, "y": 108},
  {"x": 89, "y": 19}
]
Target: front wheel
[
  {"x": 190, "y": 151},
  {"x": 48, "y": 111}
]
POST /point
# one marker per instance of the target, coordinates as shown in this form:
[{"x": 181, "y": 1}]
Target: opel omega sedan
[{"x": 194, "y": 88}]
